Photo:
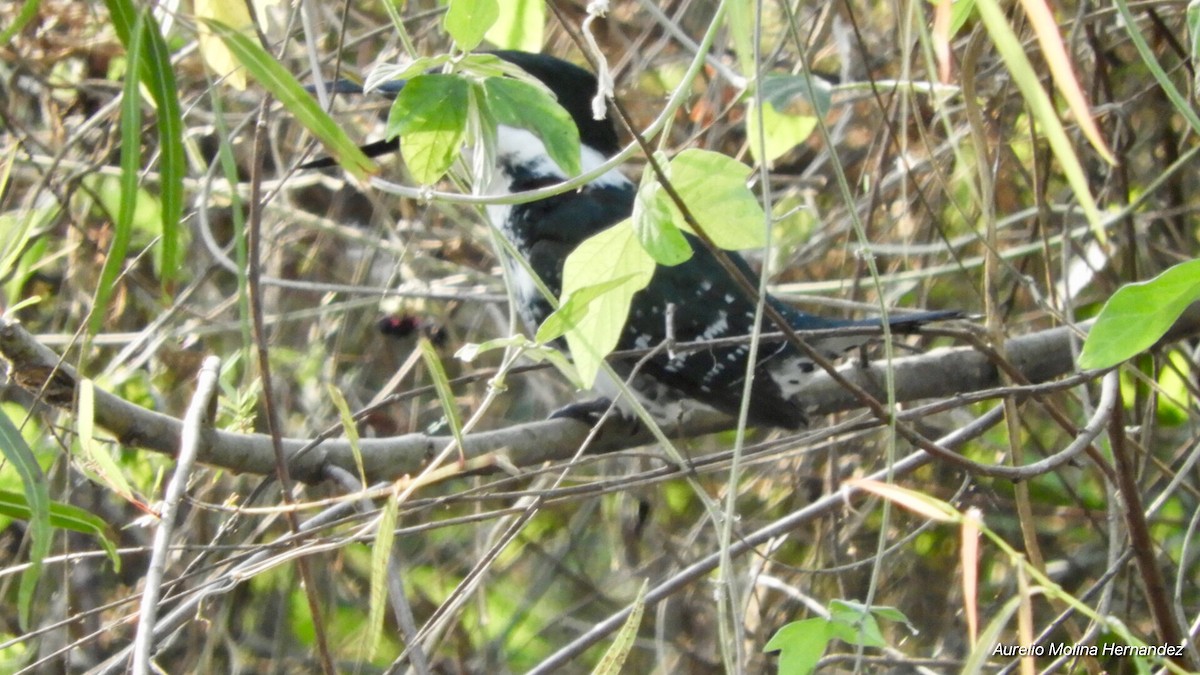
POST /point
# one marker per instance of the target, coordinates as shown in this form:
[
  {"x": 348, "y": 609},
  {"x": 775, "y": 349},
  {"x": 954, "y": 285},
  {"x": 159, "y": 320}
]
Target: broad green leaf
[
  {"x": 781, "y": 131},
  {"x": 612, "y": 254},
  {"x": 283, "y": 86},
  {"x": 654, "y": 223},
  {"x": 430, "y": 116},
  {"x": 623, "y": 641},
  {"x": 65, "y": 517},
  {"x": 517, "y": 103},
  {"x": 853, "y": 624},
  {"x": 785, "y": 91},
  {"x": 1138, "y": 314},
  {"x": 467, "y": 21},
  {"x": 573, "y": 308},
  {"x": 800, "y": 645},
  {"x": 713, "y": 186},
  {"x": 37, "y": 496},
  {"x": 521, "y": 25},
  {"x": 386, "y": 73}
]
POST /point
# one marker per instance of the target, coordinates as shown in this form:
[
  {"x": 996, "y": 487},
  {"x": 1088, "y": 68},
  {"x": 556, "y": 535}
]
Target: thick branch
[{"x": 939, "y": 374}]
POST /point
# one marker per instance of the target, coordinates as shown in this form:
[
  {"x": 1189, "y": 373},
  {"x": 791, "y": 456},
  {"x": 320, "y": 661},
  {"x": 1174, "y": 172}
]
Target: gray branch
[{"x": 942, "y": 373}]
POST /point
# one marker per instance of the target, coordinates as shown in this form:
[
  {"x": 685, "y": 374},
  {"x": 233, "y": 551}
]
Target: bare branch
[{"x": 1039, "y": 356}]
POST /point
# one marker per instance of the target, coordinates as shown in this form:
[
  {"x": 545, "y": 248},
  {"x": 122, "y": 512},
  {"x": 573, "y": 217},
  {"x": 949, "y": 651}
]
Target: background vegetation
[{"x": 931, "y": 163}]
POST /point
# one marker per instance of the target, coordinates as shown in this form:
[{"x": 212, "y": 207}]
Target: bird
[{"x": 698, "y": 297}]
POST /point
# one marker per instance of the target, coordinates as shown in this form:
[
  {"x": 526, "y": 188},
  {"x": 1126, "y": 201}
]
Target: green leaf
[
  {"x": 741, "y": 30},
  {"x": 381, "y": 553},
  {"x": 573, "y": 308},
  {"x": 98, "y": 458},
  {"x": 441, "y": 383},
  {"x": 517, "y": 103},
  {"x": 1193, "y": 28},
  {"x": 612, "y": 254},
  {"x": 430, "y": 116},
  {"x": 386, "y": 73},
  {"x": 521, "y": 25},
  {"x": 781, "y": 131},
  {"x": 158, "y": 75},
  {"x": 800, "y": 645},
  {"x": 623, "y": 641},
  {"x": 654, "y": 223},
  {"x": 852, "y": 623},
  {"x": 350, "y": 428},
  {"x": 37, "y": 496},
  {"x": 1138, "y": 314},
  {"x": 467, "y": 21},
  {"x": 66, "y": 517},
  {"x": 28, "y": 13},
  {"x": 283, "y": 86},
  {"x": 784, "y": 91},
  {"x": 982, "y": 651},
  {"x": 131, "y": 159},
  {"x": 714, "y": 188},
  {"x": 470, "y": 351},
  {"x": 18, "y": 227}
]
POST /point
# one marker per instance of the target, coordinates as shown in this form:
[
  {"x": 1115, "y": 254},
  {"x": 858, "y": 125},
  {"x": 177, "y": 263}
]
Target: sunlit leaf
[
  {"x": 131, "y": 158},
  {"x": 467, "y": 21},
  {"x": 573, "y": 308},
  {"x": 296, "y": 100},
  {"x": 713, "y": 186},
  {"x": 800, "y": 645},
  {"x": 216, "y": 51},
  {"x": 521, "y": 25},
  {"x": 1138, "y": 314},
  {"x": 430, "y": 116},
  {"x": 781, "y": 131},
  {"x": 654, "y": 223},
  {"x": 27, "y": 13},
  {"x": 517, "y": 103},
  {"x": 612, "y": 254}
]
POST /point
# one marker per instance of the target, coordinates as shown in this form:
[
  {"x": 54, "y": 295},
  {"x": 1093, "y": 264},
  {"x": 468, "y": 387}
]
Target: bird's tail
[{"x": 912, "y": 322}]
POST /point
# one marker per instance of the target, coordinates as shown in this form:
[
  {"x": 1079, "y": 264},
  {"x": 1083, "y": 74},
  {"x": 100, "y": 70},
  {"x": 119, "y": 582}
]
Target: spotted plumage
[{"x": 707, "y": 302}]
